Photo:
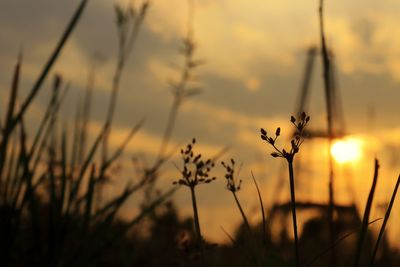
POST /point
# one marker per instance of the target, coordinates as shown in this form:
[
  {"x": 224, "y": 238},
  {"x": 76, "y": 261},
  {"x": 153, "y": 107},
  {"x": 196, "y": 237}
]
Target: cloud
[{"x": 254, "y": 53}]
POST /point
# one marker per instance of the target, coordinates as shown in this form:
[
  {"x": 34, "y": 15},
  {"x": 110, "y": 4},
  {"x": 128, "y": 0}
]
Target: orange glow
[{"x": 346, "y": 150}]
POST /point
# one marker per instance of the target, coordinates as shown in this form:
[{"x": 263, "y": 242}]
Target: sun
[{"x": 346, "y": 150}]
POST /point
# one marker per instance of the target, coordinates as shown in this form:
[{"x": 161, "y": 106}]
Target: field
[{"x": 130, "y": 151}]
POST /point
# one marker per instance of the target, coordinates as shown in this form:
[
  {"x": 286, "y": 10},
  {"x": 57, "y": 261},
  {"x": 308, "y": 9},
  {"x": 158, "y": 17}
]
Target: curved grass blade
[
  {"x": 385, "y": 220},
  {"x": 36, "y": 87},
  {"x": 262, "y": 209},
  {"x": 336, "y": 243},
  {"x": 364, "y": 227}
]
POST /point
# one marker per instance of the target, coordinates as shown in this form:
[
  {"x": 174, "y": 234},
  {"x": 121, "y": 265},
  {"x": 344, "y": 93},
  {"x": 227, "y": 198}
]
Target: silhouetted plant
[
  {"x": 181, "y": 88},
  {"x": 234, "y": 186},
  {"x": 47, "y": 186},
  {"x": 195, "y": 172},
  {"x": 364, "y": 226},
  {"x": 296, "y": 142},
  {"x": 47, "y": 198},
  {"x": 129, "y": 21},
  {"x": 385, "y": 220},
  {"x": 328, "y": 86}
]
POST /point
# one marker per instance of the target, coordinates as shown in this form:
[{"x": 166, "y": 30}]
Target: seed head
[
  {"x": 230, "y": 176},
  {"x": 263, "y": 132},
  {"x": 195, "y": 170},
  {"x": 278, "y": 131},
  {"x": 295, "y": 143}
]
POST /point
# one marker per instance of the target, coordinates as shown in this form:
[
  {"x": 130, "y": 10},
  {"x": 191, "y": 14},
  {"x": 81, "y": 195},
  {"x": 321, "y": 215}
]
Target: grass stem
[
  {"x": 385, "y": 220},
  {"x": 196, "y": 216},
  {"x": 367, "y": 211},
  {"x": 293, "y": 207},
  {"x": 246, "y": 222}
]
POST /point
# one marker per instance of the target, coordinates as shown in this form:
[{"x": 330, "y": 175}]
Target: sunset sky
[{"x": 254, "y": 53}]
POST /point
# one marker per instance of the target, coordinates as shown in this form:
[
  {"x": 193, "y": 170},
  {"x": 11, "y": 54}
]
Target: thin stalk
[
  {"x": 246, "y": 222},
  {"x": 76, "y": 137},
  {"x": 228, "y": 235},
  {"x": 196, "y": 216},
  {"x": 293, "y": 207},
  {"x": 52, "y": 243},
  {"x": 87, "y": 103},
  {"x": 6, "y": 133},
  {"x": 89, "y": 199},
  {"x": 367, "y": 211},
  {"x": 124, "y": 51},
  {"x": 64, "y": 177},
  {"x": 328, "y": 93},
  {"x": 52, "y": 107},
  {"x": 385, "y": 220},
  {"x": 71, "y": 26},
  {"x": 336, "y": 243},
  {"x": 180, "y": 91},
  {"x": 154, "y": 204},
  {"x": 171, "y": 121},
  {"x": 264, "y": 223},
  {"x": 144, "y": 212},
  {"x": 12, "y": 165}
]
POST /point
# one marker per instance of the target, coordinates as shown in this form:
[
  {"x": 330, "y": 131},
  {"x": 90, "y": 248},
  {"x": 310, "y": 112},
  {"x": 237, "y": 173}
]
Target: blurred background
[{"x": 254, "y": 55}]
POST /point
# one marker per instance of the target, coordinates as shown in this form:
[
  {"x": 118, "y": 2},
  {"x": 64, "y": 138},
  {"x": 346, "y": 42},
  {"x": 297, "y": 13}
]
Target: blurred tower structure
[
  {"x": 332, "y": 98},
  {"x": 302, "y": 104},
  {"x": 345, "y": 216}
]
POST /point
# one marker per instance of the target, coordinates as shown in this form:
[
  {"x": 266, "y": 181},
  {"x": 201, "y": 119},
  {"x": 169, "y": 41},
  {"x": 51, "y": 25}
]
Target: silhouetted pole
[{"x": 328, "y": 94}]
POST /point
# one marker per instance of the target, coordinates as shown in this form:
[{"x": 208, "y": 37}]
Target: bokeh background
[{"x": 254, "y": 54}]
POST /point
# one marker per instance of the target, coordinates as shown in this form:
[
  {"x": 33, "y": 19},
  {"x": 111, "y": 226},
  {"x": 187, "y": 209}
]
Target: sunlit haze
[
  {"x": 347, "y": 150},
  {"x": 250, "y": 61}
]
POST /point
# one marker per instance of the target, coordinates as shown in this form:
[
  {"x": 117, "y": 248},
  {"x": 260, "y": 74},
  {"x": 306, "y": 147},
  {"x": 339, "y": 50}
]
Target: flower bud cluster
[
  {"x": 231, "y": 184},
  {"x": 195, "y": 170},
  {"x": 295, "y": 143}
]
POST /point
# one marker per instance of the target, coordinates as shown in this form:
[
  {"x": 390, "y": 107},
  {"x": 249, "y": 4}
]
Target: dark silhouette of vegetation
[
  {"x": 289, "y": 156},
  {"x": 50, "y": 180}
]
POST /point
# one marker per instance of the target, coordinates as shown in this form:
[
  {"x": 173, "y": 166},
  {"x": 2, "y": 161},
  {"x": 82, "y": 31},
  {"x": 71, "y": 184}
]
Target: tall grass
[
  {"x": 195, "y": 171},
  {"x": 385, "y": 220},
  {"x": 367, "y": 211},
  {"x": 49, "y": 179},
  {"x": 233, "y": 186},
  {"x": 289, "y": 157},
  {"x": 48, "y": 184},
  {"x": 326, "y": 63}
]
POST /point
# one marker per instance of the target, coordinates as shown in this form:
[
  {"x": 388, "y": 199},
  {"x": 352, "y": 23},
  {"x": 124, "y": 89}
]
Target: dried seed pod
[
  {"x": 275, "y": 154},
  {"x": 271, "y": 140},
  {"x": 263, "y": 132}
]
